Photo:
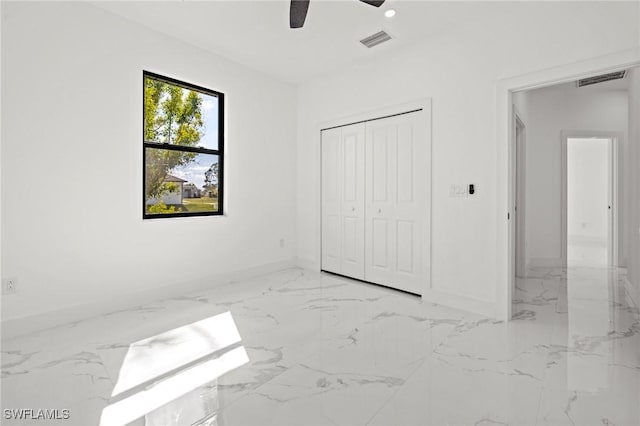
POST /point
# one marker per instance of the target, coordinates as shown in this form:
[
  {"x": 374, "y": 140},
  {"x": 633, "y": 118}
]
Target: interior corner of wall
[{"x": 307, "y": 263}]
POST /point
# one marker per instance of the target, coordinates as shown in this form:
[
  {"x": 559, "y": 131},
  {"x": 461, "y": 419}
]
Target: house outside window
[{"x": 183, "y": 144}]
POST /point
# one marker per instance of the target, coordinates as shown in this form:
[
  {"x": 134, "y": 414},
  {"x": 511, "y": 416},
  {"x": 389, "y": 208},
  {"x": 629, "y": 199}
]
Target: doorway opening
[
  {"x": 566, "y": 182},
  {"x": 589, "y": 200}
]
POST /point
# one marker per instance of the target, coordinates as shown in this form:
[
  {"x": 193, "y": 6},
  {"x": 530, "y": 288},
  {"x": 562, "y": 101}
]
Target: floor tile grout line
[{"x": 393, "y": 394}]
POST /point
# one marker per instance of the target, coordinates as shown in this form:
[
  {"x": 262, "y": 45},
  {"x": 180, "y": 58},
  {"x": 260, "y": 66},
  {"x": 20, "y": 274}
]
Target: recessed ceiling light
[{"x": 390, "y": 13}]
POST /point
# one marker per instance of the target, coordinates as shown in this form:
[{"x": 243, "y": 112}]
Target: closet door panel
[
  {"x": 379, "y": 244},
  {"x": 380, "y": 152},
  {"x": 352, "y": 204},
  {"x": 395, "y": 167},
  {"x": 378, "y": 149},
  {"x": 405, "y": 246},
  {"x": 405, "y": 167},
  {"x": 331, "y": 200}
]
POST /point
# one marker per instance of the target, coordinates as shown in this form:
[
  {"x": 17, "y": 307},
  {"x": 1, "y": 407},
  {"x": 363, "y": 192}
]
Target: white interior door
[
  {"x": 396, "y": 195},
  {"x": 343, "y": 200},
  {"x": 589, "y": 201}
]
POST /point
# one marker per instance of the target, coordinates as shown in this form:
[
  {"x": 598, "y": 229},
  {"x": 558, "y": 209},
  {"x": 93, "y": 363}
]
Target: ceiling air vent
[
  {"x": 601, "y": 78},
  {"x": 375, "y": 39}
]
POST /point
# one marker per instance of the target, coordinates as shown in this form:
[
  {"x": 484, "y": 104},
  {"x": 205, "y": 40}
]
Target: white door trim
[
  {"x": 616, "y": 142},
  {"x": 504, "y": 162},
  {"x": 520, "y": 198}
]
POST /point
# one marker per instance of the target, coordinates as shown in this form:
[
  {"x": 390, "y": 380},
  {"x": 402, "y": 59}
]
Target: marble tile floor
[{"x": 325, "y": 350}]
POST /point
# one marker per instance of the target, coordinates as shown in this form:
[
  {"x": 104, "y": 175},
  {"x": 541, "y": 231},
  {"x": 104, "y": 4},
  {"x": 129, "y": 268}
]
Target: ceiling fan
[{"x": 298, "y": 11}]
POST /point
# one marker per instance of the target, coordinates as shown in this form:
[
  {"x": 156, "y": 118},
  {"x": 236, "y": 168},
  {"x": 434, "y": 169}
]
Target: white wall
[
  {"x": 633, "y": 263},
  {"x": 459, "y": 71},
  {"x": 588, "y": 190},
  {"x": 551, "y": 111},
  {"x": 72, "y": 119},
  {"x": 1, "y": 120}
]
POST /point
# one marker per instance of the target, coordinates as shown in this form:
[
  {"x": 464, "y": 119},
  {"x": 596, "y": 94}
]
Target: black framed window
[{"x": 183, "y": 144}]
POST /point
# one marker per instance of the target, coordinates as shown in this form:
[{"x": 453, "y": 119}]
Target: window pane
[
  {"x": 180, "y": 182},
  {"x": 179, "y": 116}
]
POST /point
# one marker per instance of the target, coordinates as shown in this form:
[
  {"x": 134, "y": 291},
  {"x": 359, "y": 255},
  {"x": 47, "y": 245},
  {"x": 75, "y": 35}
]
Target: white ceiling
[{"x": 257, "y": 33}]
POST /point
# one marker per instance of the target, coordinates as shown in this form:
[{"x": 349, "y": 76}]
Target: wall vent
[
  {"x": 375, "y": 39},
  {"x": 601, "y": 78}
]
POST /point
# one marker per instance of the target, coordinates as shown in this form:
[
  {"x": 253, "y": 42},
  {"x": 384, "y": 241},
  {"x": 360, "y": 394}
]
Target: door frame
[
  {"x": 519, "y": 196},
  {"x": 423, "y": 105},
  {"x": 504, "y": 156},
  {"x": 613, "y": 218}
]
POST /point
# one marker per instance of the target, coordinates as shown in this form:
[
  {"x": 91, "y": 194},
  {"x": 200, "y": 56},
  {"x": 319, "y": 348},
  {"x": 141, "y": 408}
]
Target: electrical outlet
[
  {"x": 9, "y": 286},
  {"x": 281, "y": 242}
]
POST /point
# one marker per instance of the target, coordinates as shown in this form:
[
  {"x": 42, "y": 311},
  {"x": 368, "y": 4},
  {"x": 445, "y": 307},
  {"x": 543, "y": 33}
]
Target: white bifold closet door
[
  {"x": 375, "y": 192},
  {"x": 343, "y": 192},
  {"x": 396, "y": 190}
]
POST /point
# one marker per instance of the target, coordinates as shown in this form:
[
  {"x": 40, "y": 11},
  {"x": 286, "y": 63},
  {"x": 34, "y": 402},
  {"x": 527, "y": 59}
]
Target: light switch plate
[{"x": 458, "y": 190}]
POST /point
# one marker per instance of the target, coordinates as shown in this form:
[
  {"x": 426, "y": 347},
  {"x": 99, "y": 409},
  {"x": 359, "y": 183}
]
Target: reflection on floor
[
  {"x": 326, "y": 350},
  {"x": 587, "y": 253}
]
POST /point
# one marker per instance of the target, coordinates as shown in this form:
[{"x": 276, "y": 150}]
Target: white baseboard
[
  {"x": 480, "y": 307},
  {"x": 309, "y": 264},
  {"x": 28, "y": 324},
  {"x": 455, "y": 301},
  {"x": 545, "y": 262}
]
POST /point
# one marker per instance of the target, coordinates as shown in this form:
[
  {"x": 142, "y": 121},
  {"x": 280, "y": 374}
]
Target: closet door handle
[{"x": 353, "y": 209}]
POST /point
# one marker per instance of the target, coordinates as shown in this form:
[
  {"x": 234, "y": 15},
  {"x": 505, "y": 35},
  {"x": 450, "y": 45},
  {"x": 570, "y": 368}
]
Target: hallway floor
[
  {"x": 580, "y": 253},
  {"x": 325, "y": 350}
]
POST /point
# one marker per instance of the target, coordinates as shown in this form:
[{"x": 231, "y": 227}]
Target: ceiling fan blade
[
  {"x": 376, "y": 3},
  {"x": 298, "y": 13}
]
